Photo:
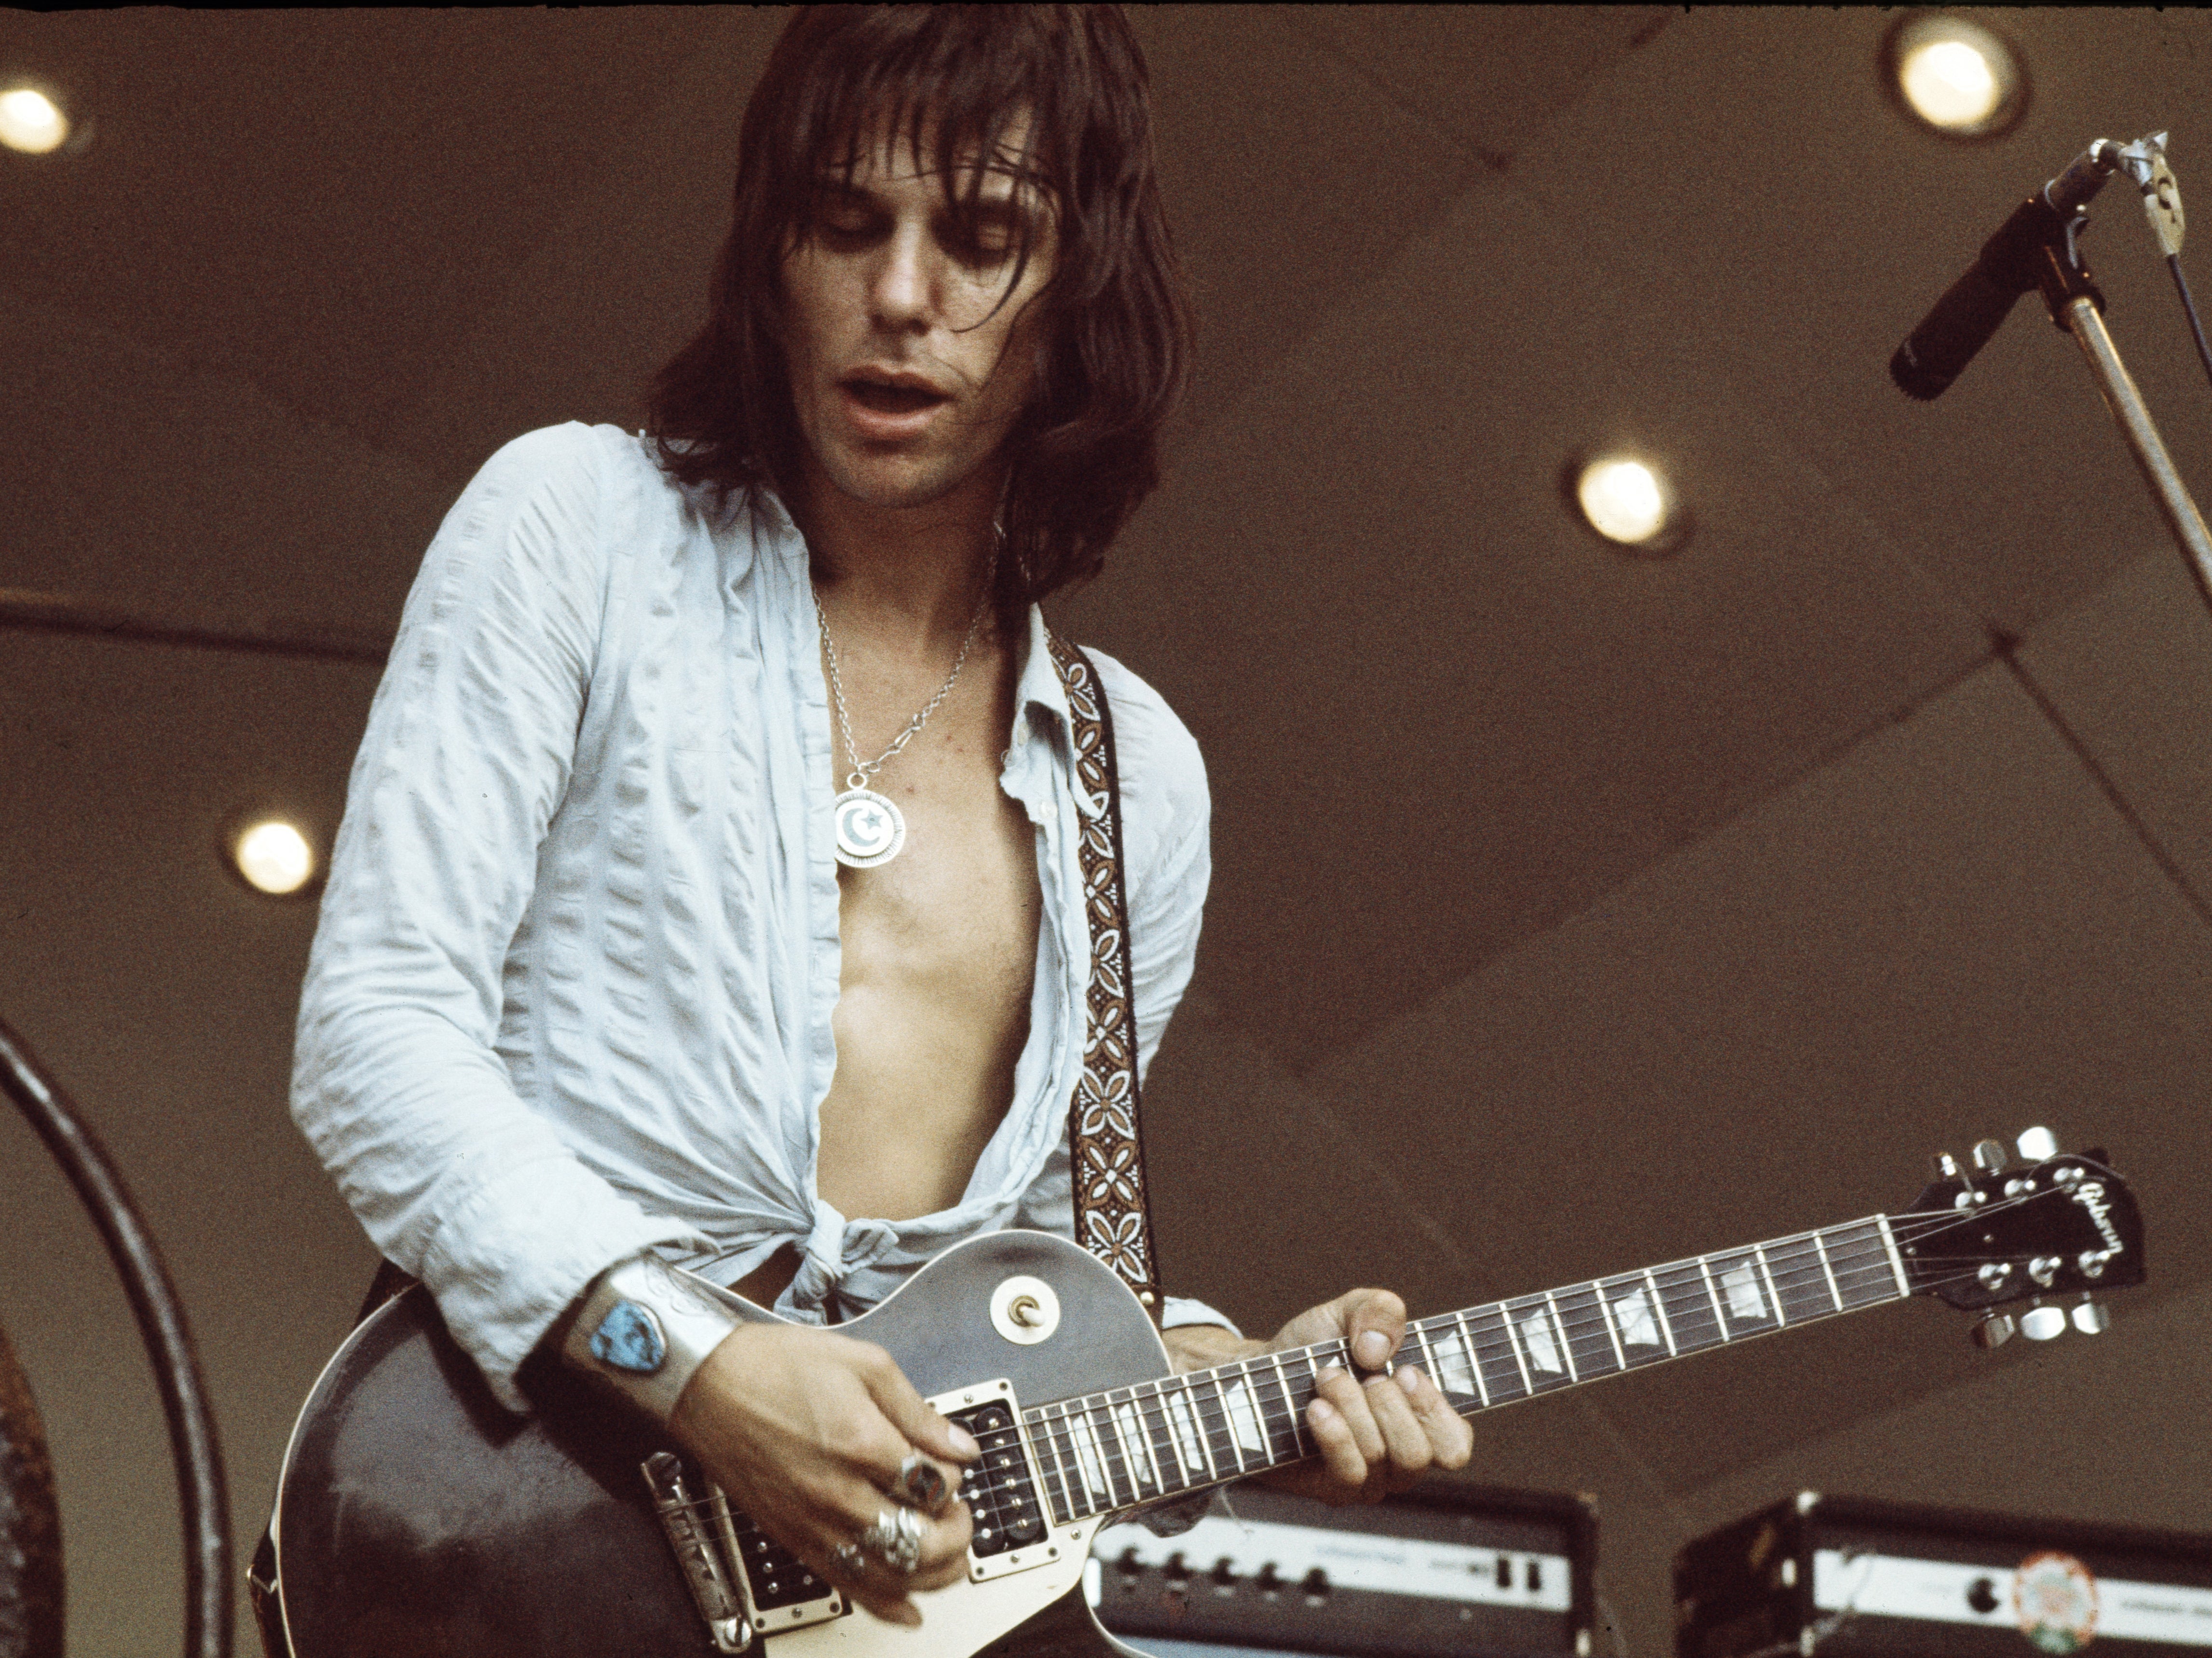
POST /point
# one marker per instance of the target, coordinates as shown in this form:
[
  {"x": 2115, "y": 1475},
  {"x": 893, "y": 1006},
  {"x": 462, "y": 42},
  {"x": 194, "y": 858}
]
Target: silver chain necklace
[{"x": 870, "y": 830}]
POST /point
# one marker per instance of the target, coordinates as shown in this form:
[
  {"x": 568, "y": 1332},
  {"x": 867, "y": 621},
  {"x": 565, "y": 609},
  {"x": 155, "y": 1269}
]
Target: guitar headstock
[{"x": 2054, "y": 1225}]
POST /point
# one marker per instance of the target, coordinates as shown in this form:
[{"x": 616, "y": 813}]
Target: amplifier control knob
[
  {"x": 1315, "y": 1584},
  {"x": 1224, "y": 1575},
  {"x": 1982, "y": 1594},
  {"x": 1269, "y": 1580},
  {"x": 1176, "y": 1572},
  {"x": 2042, "y": 1323}
]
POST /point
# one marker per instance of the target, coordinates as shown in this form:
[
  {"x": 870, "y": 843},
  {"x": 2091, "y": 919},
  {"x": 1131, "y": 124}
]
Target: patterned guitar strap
[{"x": 1113, "y": 1215}]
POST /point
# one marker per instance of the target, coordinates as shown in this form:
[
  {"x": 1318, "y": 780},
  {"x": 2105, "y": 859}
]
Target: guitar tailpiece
[{"x": 704, "y": 1568}]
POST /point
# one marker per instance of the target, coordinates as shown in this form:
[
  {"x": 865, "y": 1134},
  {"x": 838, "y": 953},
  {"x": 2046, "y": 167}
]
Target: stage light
[
  {"x": 274, "y": 857},
  {"x": 1628, "y": 500},
  {"x": 1955, "y": 75},
  {"x": 32, "y": 122}
]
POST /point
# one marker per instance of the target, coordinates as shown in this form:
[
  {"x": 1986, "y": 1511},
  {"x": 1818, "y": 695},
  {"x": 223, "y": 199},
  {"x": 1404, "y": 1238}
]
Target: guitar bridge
[
  {"x": 744, "y": 1583},
  {"x": 998, "y": 1487}
]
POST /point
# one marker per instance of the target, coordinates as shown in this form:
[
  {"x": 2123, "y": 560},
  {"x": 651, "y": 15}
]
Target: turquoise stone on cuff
[{"x": 629, "y": 1339}]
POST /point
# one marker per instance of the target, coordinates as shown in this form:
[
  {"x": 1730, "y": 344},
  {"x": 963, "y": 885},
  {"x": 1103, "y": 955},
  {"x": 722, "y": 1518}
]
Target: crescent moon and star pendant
[{"x": 870, "y": 830}]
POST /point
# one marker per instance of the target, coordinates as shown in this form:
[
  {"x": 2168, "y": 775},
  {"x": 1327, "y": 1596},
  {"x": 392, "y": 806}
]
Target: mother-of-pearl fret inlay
[
  {"x": 1136, "y": 1449},
  {"x": 1536, "y": 1336},
  {"x": 1189, "y": 1446},
  {"x": 1742, "y": 1286},
  {"x": 1243, "y": 1420},
  {"x": 1632, "y": 1315},
  {"x": 1088, "y": 1462},
  {"x": 1454, "y": 1370}
]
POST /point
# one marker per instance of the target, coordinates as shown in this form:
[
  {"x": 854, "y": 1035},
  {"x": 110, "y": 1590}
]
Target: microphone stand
[
  {"x": 2053, "y": 221},
  {"x": 168, "y": 1341}
]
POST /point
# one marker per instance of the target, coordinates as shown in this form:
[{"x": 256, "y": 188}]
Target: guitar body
[{"x": 418, "y": 1518}]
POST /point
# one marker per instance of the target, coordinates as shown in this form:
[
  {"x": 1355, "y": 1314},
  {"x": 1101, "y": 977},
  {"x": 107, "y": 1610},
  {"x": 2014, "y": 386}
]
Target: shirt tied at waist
[{"x": 835, "y": 1250}]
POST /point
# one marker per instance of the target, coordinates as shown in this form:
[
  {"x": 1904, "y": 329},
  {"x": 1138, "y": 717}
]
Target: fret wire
[
  {"x": 1198, "y": 1431},
  {"x": 1282, "y": 1380},
  {"x": 1138, "y": 1466},
  {"x": 1144, "y": 1427},
  {"x": 1168, "y": 1435},
  {"x": 1567, "y": 1347},
  {"x": 1052, "y": 1477},
  {"x": 1513, "y": 1342},
  {"x": 1759, "y": 1252},
  {"x": 1109, "y": 1435},
  {"x": 1228, "y": 1424},
  {"x": 1659, "y": 1304},
  {"x": 1474, "y": 1357},
  {"x": 1828, "y": 1271},
  {"x": 1428, "y": 1353},
  {"x": 1896, "y": 1261},
  {"x": 1720, "y": 1317},
  {"x": 1612, "y": 1324}
]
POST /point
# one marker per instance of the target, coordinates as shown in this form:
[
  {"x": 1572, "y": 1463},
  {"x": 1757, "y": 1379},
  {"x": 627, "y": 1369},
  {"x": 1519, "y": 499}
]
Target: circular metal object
[
  {"x": 870, "y": 829},
  {"x": 894, "y": 1539},
  {"x": 1024, "y": 1309},
  {"x": 920, "y": 1481}
]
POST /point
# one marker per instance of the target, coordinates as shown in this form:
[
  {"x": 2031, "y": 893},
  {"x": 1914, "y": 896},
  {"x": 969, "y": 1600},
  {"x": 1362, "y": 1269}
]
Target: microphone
[{"x": 2010, "y": 265}]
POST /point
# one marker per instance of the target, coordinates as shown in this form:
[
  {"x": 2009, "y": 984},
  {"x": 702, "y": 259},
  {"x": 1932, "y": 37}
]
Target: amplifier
[
  {"x": 1840, "y": 1575},
  {"x": 1445, "y": 1569}
]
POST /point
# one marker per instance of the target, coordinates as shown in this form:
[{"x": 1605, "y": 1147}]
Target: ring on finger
[
  {"x": 919, "y": 1482},
  {"x": 848, "y": 1558},
  {"x": 894, "y": 1539}
]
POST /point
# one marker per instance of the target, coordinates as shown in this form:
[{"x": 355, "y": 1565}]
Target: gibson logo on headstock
[{"x": 2090, "y": 1196}]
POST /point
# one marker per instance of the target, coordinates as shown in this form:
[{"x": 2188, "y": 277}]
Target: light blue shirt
[{"x": 571, "y": 991}]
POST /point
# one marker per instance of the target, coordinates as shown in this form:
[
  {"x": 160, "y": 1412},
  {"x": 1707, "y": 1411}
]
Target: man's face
[{"x": 910, "y": 359}]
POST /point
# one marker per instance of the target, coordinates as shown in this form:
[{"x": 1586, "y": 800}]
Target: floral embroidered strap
[{"x": 1113, "y": 1216}]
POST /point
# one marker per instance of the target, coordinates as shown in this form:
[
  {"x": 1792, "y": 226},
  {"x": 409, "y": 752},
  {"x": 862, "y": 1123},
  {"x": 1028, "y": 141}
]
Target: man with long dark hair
[{"x": 710, "y": 887}]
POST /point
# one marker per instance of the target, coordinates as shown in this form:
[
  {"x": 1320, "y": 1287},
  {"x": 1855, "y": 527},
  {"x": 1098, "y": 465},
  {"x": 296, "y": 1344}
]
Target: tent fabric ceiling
[{"x": 1572, "y": 910}]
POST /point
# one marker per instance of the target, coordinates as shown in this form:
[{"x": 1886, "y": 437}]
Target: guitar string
[
  {"x": 1785, "y": 1258},
  {"x": 1797, "y": 1256},
  {"x": 1037, "y": 1478},
  {"x": 1870, "y": 1256},
  {"x": 1067, "y": 1469}
]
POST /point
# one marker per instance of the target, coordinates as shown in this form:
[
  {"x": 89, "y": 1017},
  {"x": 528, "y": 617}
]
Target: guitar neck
[{"x": 1104, "y": 1452}]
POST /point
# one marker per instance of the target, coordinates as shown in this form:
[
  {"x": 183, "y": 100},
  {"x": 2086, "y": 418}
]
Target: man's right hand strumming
[{"x": 808, "y": 1432}]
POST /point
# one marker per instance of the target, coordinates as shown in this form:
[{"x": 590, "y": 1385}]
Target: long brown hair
[{"x": 1115, "y": 336}]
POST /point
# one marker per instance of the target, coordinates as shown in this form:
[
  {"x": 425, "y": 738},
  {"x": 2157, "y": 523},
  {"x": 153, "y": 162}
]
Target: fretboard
[{"x": 1109, "y": 1451}]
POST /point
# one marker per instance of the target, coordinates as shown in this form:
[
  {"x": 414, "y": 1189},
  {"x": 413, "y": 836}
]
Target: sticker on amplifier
[{"x": 2054, "y": 1596}]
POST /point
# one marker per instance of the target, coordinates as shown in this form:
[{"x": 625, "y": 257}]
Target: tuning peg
[
  {"x": 2037, "y": 1144},
  {"x": 1946, "y": 1166},
  {"x": 1994, "y": 1331},
  {"x": 1989, "y": 1157},
  {"x": 2041, "y": 1323},
  {"x": 2091, "y": 1319}
]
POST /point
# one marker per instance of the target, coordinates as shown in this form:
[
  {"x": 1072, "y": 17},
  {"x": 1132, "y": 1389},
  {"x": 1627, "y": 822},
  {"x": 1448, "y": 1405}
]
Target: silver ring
[
  {"x": 847, "y": 1558},
  {"x": 896, "y": 1540},
  {"x": 919, "y": 1482}
]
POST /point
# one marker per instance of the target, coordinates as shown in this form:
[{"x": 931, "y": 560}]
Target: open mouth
[{"x": 891, "y": 399}]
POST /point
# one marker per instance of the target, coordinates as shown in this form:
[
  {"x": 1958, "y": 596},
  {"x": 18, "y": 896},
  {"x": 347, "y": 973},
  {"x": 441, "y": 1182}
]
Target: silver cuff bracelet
[{"x": 643, "y": 1329}]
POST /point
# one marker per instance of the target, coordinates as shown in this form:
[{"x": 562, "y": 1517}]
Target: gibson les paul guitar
[{"x": 417, "y": 1518}]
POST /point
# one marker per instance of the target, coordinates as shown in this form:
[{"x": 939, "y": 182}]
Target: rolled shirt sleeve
[{"x": 397, "y": 1081}]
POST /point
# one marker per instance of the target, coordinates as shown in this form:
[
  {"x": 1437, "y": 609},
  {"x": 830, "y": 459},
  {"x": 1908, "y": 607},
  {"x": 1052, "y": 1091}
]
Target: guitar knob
[
  {"x": 1994, "y": 1331},
  {"x": 2042, "y": 1323},
  {"x": 2037, "y": 1144},
  {"x": 2090, "y": 1319},
  {"x": 1989, "y": 1157}
]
